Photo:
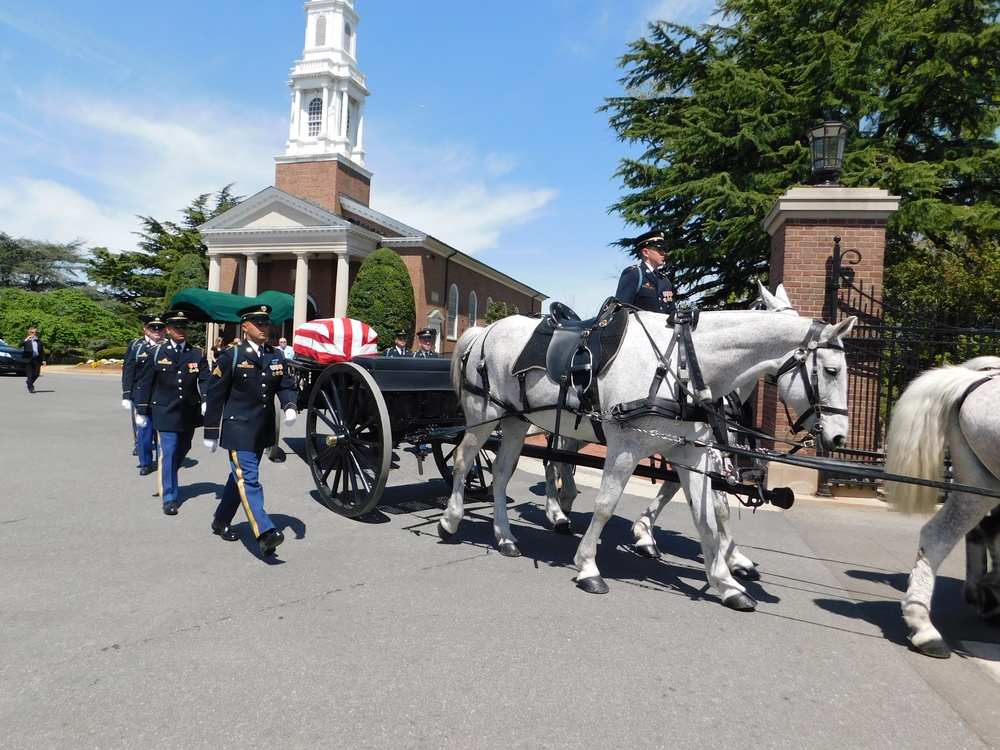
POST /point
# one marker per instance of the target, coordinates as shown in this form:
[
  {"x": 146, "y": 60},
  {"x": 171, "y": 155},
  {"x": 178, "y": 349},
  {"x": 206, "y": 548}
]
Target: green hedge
[{"x": 112, "y": 352}]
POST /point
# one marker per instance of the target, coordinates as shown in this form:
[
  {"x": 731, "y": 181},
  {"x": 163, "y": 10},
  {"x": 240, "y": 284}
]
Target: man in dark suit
[
  {"x": 169, "y": 395},
  {"x": 240, "y": 417},
  {"x": 645, "y": 285},
  {"x": 399, "y": 347},
  {"x": 138, "y": 355},
  {"x": 425, "y": 337},
  {"x": 34, "y": 353}
]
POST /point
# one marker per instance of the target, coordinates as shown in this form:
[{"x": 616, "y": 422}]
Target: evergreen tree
[
  {"x": 382, "y": 296},
  {"x": 38, "y": 266},
  {"x": 721, "y": 114}
]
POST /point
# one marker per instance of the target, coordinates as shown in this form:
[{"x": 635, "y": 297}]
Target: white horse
[
  {"x": 561, "y": 490},
  {"x": 734, "y": 350},
  {"x": 953, "y": 407}
]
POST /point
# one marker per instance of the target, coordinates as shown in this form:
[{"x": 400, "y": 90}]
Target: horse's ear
[
  {"x": 781, "y": 296},
  {"x": 843, "y": 328},
  {"x": 770, "y": 301}
]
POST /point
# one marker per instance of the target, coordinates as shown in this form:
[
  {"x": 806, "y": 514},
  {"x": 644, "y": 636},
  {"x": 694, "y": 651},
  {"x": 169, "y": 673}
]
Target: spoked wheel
[
  {"x": 348, "y": 439},
  {"x": 479, "y": 480}
]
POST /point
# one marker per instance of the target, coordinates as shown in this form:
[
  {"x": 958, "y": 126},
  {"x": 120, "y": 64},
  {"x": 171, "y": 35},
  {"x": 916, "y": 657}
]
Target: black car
[{"x": 12, "y": 359}]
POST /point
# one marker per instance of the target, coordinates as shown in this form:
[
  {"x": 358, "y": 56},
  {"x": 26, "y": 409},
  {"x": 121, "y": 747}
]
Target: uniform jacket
[
  {"x": 393, "y": 351},
  {"x": 647, "y": 290},
  {"x": 241, "y": 393},
  {"x": 29, "y": 351},
  {"x": 429, "y": 354},
  {"x": 137, "y": 355},
  {"x": 169, "y": 388}
]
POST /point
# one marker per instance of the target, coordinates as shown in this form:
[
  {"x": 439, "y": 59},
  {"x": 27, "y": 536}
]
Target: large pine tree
[{"x": 721, "y": 114}]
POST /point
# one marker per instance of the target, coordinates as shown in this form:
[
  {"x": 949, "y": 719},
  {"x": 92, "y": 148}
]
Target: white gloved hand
[
  {"x": 126, "y": 404},
  {"x": 290, "y": 416},
  {"x": 204, "y": 407},
  {"x": 141, "y": 420},
  {"x": 211, "y": 445}
]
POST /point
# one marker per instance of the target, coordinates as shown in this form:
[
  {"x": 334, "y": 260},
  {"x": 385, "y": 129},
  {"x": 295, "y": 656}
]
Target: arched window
[
  {"x": 321, "y": 31},
  {"x": 348, "y": 39},
  {"x": 473, "y": 308},
  {"x": 315, "y": 116},
  {"x": 453, "y": 312}
]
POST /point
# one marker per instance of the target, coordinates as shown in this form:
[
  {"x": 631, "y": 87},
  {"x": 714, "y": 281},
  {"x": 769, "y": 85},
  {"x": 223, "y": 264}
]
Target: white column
[
  {"x": 214, "y": 273},
  {"x": 343, "y": 285},
  {"x": 325, "y": 121},
  {"x": 344, "y": 104},
  {"x": 301, "y": 289},
  {"x": 250, "y": 285}
]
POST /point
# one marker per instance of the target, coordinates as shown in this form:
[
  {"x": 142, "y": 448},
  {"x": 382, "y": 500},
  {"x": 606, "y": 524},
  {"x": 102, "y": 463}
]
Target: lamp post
[{"x": 826, "y": 144}]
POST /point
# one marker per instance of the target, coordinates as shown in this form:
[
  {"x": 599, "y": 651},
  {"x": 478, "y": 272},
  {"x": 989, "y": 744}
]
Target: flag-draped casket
[{"x": 332, "y": 340}]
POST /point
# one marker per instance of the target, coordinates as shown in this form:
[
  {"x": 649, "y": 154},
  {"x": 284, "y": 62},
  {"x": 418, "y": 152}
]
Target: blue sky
[{"x": 481, "y": 128}]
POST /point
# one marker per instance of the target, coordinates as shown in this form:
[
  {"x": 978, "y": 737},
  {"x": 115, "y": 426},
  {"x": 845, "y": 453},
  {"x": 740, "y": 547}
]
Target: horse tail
[
  {"x": 917, "y": 435},
  {"x": 457, "y": 357}
]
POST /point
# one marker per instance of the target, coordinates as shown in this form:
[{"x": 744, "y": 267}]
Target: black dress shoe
[
  {"x": 269, "y": 541},
  {"x": 135, "y": 451},
  {"x": 147, "y": 469},
  {"x": 225, "y": 531},
  {"x": 170, "y": 508}
]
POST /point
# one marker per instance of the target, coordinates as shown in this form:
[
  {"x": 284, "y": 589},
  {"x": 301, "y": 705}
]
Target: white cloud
[{"x": 455, "y": 194}]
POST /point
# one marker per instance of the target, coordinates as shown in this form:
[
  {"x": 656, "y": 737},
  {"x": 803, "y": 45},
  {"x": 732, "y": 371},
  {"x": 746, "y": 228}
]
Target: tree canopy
[
  {"x": 170, "y": 255},
  {"x": 382, "y": 296},
  {"x": 38, "y": 266},
  {"x": 721, "y": 112}
]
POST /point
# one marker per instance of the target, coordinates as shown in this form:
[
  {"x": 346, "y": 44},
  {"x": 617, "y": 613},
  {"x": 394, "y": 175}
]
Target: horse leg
[
  {"x": 617, "y": 471},
  {"x": 642, "y": 529},
  {"x": 705, "y": 502},
  {"x": 987, "y": 590},
  {"x": 938, "y": 538},
  {"x": 976, "y": 563},
  {"x": 561, "y": 491},
  {"x": 514, "y": 432},
  {"x": 465, "y": 455},
  {"x": 739, "y": 564}
]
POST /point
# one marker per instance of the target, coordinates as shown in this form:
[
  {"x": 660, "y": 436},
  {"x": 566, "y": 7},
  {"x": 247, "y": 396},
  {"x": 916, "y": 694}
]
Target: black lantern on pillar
[{"x": 826, "y": 144}]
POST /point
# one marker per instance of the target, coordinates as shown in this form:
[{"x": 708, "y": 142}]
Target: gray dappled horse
[
  {"x": 953, "y": 408},
  {"x": 734, "y": 348},
  {"x": 561, "y": 489}
]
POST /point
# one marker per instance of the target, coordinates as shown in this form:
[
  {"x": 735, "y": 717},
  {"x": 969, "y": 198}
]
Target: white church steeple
[{"x": 328, "y": 90}]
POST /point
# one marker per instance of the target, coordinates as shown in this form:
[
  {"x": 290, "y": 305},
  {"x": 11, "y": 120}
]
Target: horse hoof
[
  {"x": 444, "y": 533},
  {"x": 648, "y": 550},
  {"x": 741, "y": 602},
  {"x": 747, "y": 574},
  {"x": 936, "y": 648},
  {"x": 509, "y": 549},
  {"x": 564, "y": 528},
  {"x": 593, "y": 585}
]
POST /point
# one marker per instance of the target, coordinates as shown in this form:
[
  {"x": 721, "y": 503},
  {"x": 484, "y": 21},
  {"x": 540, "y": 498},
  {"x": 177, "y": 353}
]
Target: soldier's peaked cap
[
  {"x": 176, "y": 318},
  {"x": 255, "y": 313}
]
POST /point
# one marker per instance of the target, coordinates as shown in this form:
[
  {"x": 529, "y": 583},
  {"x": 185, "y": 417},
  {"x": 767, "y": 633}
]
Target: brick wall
[{"x": 322, "y": 182}]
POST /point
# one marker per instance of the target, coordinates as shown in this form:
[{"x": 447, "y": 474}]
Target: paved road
[{"x": 125, "y": 628}]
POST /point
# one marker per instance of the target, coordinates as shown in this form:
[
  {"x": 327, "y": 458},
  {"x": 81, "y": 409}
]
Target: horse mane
[
  {"x": 461, "y": 346},
  {"x": 918, "y": 435}
]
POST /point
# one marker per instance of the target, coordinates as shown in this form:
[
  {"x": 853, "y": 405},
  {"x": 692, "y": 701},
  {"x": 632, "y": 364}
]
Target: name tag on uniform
[
  {"x": 647, "y": 285},
  {"x": 165, "y": 361},
  {"x": 245, "y": 365},
  {"x": 143, "y": 355}
]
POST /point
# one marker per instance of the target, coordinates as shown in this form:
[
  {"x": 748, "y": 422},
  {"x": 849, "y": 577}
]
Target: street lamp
[{"x": 826, "y": 143}]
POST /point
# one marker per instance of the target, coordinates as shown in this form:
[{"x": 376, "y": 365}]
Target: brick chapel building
[{"x": 308, "y": 234}]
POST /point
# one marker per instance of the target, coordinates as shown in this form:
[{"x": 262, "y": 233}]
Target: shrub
[{"x": 382, "y": 296}]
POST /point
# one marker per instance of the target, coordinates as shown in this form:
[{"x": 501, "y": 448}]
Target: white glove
[
  {"x": 290, "y": 416},
  {"x": 211, "y": 445},
  {"x": 126, "y": 404},
  {"x": 204, "y": 407},
  {"x": 141, "y": 421}
]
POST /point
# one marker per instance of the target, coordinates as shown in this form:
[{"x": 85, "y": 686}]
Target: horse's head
[{"x": 813, "y": 383}]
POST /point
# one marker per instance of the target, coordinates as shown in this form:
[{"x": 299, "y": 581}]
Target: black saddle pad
[{"x": 532, "y": 356}]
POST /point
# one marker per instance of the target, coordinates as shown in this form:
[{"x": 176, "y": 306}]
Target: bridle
[{"x": 810, "y": 376}]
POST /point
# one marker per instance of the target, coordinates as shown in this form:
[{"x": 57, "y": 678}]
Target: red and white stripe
[{"x": 331, "y": 340}]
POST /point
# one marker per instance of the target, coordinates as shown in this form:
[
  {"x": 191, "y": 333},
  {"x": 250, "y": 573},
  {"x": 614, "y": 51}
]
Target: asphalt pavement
[{"x": 125, "y": 628}]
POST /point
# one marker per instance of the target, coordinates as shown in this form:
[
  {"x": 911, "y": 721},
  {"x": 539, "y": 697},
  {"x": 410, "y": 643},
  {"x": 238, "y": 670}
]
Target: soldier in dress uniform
[
  {"x": 169, "y": 395},
  {"x": 425, "y": 337},
  {"x": 645, "y": 285},
  {"x": 399, "y": 347},
  {"x": 240, "y": 417},
  {"x": 137, "y": 355}
]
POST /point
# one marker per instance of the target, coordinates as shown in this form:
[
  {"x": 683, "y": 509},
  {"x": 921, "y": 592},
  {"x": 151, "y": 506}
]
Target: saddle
[{"x": 573, "y": 351}]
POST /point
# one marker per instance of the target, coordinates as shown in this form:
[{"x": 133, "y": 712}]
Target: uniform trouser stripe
[{"x": 243, "y": 488}]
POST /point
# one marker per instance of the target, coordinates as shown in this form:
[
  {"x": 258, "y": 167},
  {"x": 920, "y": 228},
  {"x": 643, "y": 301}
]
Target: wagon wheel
[
  {"x": 479, "y": 480},
  {"x": 348, "y": 439}
]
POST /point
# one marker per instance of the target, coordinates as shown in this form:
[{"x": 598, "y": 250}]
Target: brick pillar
[
  {"x": 803, "y": 225},
  {"x": 322, "y": 180}
]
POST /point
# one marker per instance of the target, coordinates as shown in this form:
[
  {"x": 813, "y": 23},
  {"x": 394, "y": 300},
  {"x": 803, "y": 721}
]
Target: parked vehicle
[{"x": 12, "y": 359}]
